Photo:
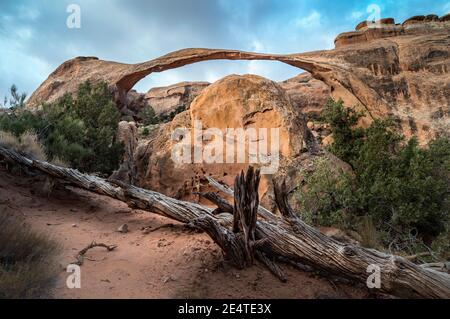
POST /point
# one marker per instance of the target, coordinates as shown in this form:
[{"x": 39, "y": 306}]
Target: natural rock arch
[{"x": 189, "y": 56}]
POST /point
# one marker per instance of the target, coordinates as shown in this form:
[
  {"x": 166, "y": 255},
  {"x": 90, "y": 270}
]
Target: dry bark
[{"x": 286, "y": 237}]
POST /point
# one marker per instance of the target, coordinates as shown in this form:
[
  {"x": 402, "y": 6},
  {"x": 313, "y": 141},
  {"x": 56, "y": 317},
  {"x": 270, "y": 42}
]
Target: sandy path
[{"x": 173, "y": 262}]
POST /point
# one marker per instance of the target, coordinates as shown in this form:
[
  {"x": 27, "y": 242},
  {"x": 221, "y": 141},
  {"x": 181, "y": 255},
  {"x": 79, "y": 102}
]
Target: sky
[{"x": 35, "y": 36}]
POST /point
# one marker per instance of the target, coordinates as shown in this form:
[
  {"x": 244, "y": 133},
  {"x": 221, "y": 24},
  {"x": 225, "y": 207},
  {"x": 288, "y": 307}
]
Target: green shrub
[
  {"x": 402, "y": 187},
  {"x": 324, "y": 199},
  {"x": 346, "y": 136},
  {"x": 21, "y": 121},
  {"x": 148, "y": 116},
  {"x": 80, "y": 131}
]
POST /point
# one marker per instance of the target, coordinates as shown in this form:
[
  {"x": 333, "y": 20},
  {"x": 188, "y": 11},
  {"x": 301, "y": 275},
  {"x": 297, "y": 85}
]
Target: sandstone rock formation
[
  {"x": 127, "y": 134},
  {"x": 401, "y": 71},
  {"x": 389, "y": 70},
  {"x": 394, "y": 70},
  {"x": 173, "y": 98},
  {"x": 307, "y": 94},
  {"x": 245, "y": 102}
]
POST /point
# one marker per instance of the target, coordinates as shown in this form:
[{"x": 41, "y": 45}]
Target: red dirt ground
[{"x": 172, "y": 262}]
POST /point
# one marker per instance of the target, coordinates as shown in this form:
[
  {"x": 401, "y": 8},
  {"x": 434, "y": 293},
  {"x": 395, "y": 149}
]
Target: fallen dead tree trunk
[{"x": 286, "y": 237}]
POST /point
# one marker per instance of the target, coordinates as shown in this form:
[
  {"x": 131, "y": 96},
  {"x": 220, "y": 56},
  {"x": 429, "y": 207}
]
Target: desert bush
[
  {"x": 78, "y": 131},
  {"x": 402, "y": 187},
  {"x": 27, "y": 260},
  {"x": 324, "y": 200},
  {"x": 8, "y": 139},
  {"x": 84, "y": 129},
  {"x": 148, "y": 116},
  {"x": 21, "y": 121},
  {"x": 343, "y": 121}
]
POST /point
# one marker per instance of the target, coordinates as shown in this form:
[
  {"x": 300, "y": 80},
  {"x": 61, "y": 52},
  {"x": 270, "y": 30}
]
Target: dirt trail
[{"x": 171, "y": 262}]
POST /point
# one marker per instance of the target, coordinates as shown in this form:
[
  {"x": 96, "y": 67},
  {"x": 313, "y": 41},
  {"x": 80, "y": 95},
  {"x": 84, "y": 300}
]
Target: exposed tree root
[{"x": 80, "y": 256}]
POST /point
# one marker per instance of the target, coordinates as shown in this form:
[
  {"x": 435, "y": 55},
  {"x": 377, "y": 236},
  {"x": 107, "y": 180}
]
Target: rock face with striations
[
  {"x": 174, "y": 98},
  {"x": 400, "y": 71},
  {"x": 234, "y": 102},
  {"x": 307, "y": 94}
]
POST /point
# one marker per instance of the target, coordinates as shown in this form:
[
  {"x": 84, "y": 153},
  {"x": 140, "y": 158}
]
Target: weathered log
[
  {"x": 263, "y": 212},
  {"x": 246, "y": 202},
  {"x": 222, "y": 205},
  {"x": 240, "y": 246},
  {"x": 272, "y": 265},
  {"x": 232, "y": 244},
  {"x": 303, "y": 244},
  {"x": 442, "y": 266}
]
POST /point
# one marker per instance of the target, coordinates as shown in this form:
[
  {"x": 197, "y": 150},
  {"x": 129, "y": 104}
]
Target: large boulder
[{"x": 246, "y": 102}]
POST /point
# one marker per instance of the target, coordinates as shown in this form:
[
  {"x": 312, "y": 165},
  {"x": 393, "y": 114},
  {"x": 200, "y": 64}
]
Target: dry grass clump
[
  {"x": 8, "y": 139},
  {"x": 59, "y": 162},
  {"x": 27, "y": 260},
  {"x": 27, "y": 144},
  {"x": 369, "y": 236}
]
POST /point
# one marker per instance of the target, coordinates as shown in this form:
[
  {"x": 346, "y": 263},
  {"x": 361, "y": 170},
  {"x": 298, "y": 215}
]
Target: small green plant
[
  {"x": 148, "y": 116},
  {"x": 16, "y": 100},
  {"x": 343, "y": 121},
  {"x": 145, "y": 131}
]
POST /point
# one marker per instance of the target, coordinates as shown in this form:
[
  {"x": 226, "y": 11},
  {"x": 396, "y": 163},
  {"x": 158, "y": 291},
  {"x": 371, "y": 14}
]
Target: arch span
[{"x": 184, "y": 57}]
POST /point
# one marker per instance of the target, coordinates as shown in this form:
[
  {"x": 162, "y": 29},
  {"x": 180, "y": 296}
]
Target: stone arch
[{"x": 184, "y": 57}]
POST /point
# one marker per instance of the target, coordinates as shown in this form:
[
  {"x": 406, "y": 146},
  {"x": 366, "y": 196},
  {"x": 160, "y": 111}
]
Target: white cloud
[
  {"x": 310, "y": 21},
  {"x": 15, "y": 68}
]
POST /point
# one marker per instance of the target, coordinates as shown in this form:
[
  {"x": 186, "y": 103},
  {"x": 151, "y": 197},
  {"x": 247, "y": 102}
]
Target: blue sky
[{"x": 34, "y": 37}]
